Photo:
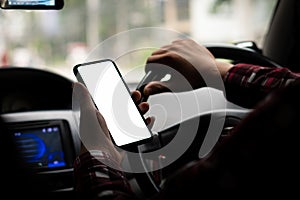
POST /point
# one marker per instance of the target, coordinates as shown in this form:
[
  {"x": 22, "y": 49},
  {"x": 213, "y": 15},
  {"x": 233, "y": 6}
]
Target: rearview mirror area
[{"x": 32, "y": 4}]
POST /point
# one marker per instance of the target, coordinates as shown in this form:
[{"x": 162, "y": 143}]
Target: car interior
[{"x": 36, "y": 105}]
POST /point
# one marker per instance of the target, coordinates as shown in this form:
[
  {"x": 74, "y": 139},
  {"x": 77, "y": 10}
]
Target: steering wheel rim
[
  {"x": 146, "y": 181},
  {"x": 240, "y": 54}
]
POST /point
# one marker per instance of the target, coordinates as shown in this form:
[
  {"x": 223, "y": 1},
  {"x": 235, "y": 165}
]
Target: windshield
[{"x": 58, "y": 40}]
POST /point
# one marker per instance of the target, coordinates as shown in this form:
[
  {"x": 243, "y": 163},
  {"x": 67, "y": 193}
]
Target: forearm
[
  {"x": 95, "y": 180},
  {"x": 247, "y": 84}
]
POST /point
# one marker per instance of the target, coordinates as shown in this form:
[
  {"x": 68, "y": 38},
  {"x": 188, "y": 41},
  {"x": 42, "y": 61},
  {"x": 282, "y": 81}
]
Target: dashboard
[{"x": 36, "y": 106}]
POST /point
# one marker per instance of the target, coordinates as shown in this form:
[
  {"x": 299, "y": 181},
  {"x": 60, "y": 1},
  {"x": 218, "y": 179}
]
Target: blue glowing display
[{"x": 41, "y": 147}]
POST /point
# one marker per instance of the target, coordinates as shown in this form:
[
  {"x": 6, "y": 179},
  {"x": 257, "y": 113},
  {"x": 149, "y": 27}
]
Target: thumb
[
  {"x": 88, "y": 122},
  {"x": 82, "y": 95}
]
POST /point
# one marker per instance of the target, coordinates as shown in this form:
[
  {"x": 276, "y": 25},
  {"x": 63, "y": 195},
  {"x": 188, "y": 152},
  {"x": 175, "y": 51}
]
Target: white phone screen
[{"x": 113, "y": 100}]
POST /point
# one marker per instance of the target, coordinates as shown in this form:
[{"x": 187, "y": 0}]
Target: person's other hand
[{"x": 192, "y": 66}]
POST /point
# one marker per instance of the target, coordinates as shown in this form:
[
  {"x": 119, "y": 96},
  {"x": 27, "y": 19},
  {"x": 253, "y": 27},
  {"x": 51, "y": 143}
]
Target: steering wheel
[{"x": 150, "y": 182}]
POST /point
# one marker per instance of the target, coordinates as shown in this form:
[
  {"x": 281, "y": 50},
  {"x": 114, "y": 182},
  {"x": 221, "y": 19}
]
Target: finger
[
  {"x": 162, "y": 50},
  {"x": 154, "y": 58},
  {"x": 179, "y": 40},
  {"x": 159, "y": 51},
  {"x": 156, "y": 87},
  {"x": 136, "y": 96},
  {"x": 144, "y": 107},
  {"x": 166, "y": 62},
  {"x": 166, "y": 48},
  {"x": 150, "y": 122}
]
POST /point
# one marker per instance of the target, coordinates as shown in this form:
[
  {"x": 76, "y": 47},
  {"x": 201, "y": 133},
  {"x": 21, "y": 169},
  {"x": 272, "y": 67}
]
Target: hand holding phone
[
  {"x": 112, "y": 98},
  {"x": 93, "y": 131}
]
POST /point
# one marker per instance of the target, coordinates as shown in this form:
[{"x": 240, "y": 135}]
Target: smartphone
[{"x": 112, "y": 97}]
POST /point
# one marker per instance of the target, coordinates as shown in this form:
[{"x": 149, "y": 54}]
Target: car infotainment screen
[{"x": 41, "y": 147}]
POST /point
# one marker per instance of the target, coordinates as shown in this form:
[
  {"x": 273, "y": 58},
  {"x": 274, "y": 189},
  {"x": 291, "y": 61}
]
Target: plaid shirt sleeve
[
  {"x": 95, "y": 180},
  {"x": 247, "y": 84}
]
